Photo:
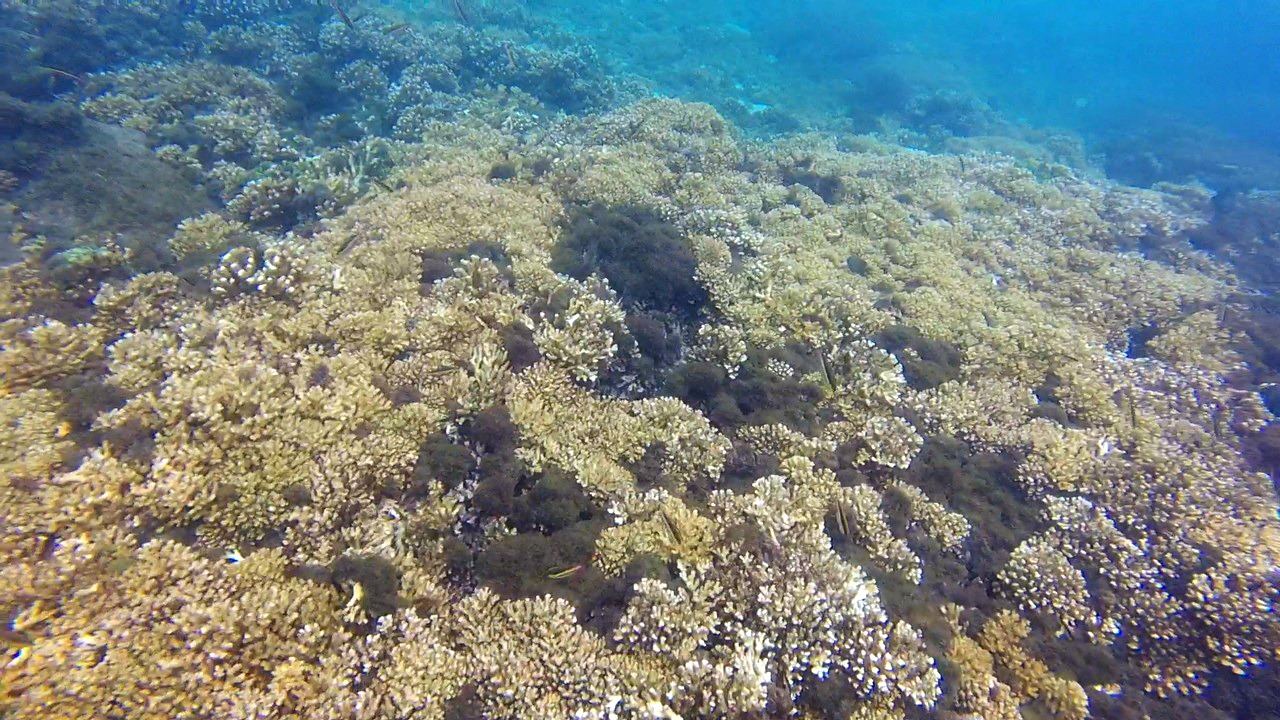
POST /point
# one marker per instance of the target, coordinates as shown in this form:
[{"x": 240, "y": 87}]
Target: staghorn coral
[
  {"x": 419, "y": 669},
  {"x": 531, "y": 657},
  {"x": 1063, "y": 460},
  {"x": 1198, "y": 339},
  {"x": 976, "y": 689},
  {"x": 780, "y": 608},
  {"x": 208, "y": 234},
  {"x": 36, "y": 437},
  {"x": 781, "y": 441},
  {"x": 594, "y": 437},
  {"x": 159, "y": 98},
  {"x": 860, "y": 511},
  {"x": 256, "y": 415},
  {"x": 949, "y": 529},
  {"x": 568, "y": 427},
  {"x": 580, "y": 339},
  {"x": 655, "y": 524},
  {"x": 888, "y": 441},
  {"x": 143, "y": 303},
  {"x": 804, "y": 592},
  {"x": 987, "y": 412},
  {"x": 275, "y": 272}
]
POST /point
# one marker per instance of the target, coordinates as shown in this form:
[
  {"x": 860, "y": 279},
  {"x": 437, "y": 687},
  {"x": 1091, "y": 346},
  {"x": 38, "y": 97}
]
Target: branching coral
[
  {"x": 260, "y": 417},
  {"x": 33, "y": 355},
  {"x": 282, "y": 492},
  {"x": 36, "y": 436},
  {"x": 274, "y": 271},
  {"x": 172, "y": 633},
  {"x": 818, "y": 614},
  {"x": 1029, "y": 677},
  {"x": 656, "y": 524},
  {"x": 1041, "y": 580},
  {"x": 975, "y": 686},
  {"x": 949, "y": 529}
]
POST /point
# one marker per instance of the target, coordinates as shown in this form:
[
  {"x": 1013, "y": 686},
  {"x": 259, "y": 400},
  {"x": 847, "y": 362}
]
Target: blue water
[
  {"x": 1159, "y": 91},
  {"x": 1093, "y": 66}
]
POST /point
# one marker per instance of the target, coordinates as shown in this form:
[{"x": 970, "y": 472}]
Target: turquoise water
[
  {"x": 1093, "y": 67},
  {"x": 1199, "y": 83}
]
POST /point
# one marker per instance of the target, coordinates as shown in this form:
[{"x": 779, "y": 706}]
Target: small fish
[
  {"x": 461, "y": 11},
  {"x": 19, "y": 657},
  {"x": 342, "y": 15},
  {"x": 826, "y": 374},
  {"x": 561, "y": 574},
  {"x": 357, "y": 595},
  {"x": 670, "y": 526},
  {"x": 393, "y": 29},
  {"x": 842, "y": 520},
  {"x": 62, "y": 73}
]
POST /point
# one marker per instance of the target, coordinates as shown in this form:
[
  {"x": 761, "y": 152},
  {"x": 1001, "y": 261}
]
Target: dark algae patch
[{"x": 646, "y": 259}]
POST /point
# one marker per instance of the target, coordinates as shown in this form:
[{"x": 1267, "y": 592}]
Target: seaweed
[
  {"x": 554, "y": 503},
  {"x": 441, "y": 459},
  {"x": 697, "y": 382},
  {"x": 651, "y": 338},
  {"x": 756, "y": 395},
  {"x": 378, "y": 580},
  {"x": 505, "y": 170},
  {"x": 828, "y": 187},
  {"x": 980, "y": 486},
  {"x": 932, "y": 363},
  {"x": 646, "y": 259},
  {"x": 523, "y": 565},
  {"x": 522, "y": 350},
  {"x": 499, "y": 476}
]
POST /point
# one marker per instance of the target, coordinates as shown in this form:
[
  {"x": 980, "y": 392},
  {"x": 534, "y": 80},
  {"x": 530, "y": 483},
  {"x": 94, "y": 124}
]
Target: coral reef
[{"x": 457, "y": 407}]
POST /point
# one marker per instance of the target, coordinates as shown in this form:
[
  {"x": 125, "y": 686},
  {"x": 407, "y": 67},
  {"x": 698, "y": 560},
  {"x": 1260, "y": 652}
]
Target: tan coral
[
  {"x": 949, "y": 529},
  {"x": 655, "y": 523},
  {"x": 1002, "y": 636},
  {"x": 293, "y": 405},
  {"x": 34, "y": 355},
  {"x": 176, "y": 633},
  {"x": 1042, "y": 581}
]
